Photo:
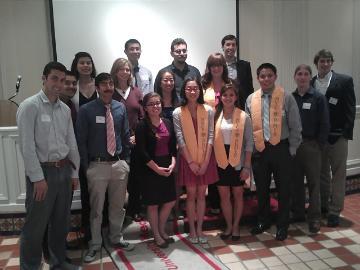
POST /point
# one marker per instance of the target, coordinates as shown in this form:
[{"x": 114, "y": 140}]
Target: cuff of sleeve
[{"x": 36, "y": 178}]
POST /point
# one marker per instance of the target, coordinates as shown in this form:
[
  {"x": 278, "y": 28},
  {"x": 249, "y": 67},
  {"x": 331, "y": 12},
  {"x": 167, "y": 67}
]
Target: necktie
[
  {"x": 266, "y": 117},
  {"x": 110, "y": 133},
  {"x": 136, "y": 71}
]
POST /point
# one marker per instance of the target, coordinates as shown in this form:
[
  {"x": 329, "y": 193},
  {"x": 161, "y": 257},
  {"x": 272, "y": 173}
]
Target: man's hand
[
  {"x": 40, "y": 190},
  {"x": 74, "y": 183}
]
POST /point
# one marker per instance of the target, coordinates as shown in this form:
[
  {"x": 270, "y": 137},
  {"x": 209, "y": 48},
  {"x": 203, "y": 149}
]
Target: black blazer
[
  {"x": 342, "y": 105},
  {"x": 244, "y": 80},
  {"x": 146, "y": 144}
]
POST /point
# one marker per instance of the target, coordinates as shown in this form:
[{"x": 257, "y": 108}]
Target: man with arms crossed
[
  {"x": 179, "y": 67},
  {"x": 339, "y": 91},
  {"x": 51, "y": 159}
]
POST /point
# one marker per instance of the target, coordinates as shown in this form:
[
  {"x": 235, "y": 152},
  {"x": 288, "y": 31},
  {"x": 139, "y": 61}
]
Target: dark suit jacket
[
  {"x": 342, "y": 114},
  {"x": 244, "y": 80}
]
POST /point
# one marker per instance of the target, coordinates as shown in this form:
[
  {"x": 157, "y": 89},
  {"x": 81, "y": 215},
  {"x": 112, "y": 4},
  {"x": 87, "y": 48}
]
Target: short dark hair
[
  {"x": 323, "y": 54},
  {"x": 131, "y": 41},
  {"x": 266, "y": 65},
  {"x": 53, "y": 66},
  {"x": 76, "y": 60},
  {"x": 184, "y": 100},
  {"x": 70, "y": 73},
  {"x": 102, "y": 77},
  {"x": 228, "y": 37},
  {"x": 177, "y": 41}
]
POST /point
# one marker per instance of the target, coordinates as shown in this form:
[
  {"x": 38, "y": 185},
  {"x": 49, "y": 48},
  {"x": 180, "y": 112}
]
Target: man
[
  {"x": 179, "y": 67},
  {"x": 51, "y": 159},
  {"x": 103, "y": 139},
  {"x": 277, "y": 135},
  {"x": 239, "y": 70},
  {"x": 142, "y": 76},
  {"x": 68, "y": 92},
  {"x": 315, "y": 129},
  {"x": 339, "y": 91}
]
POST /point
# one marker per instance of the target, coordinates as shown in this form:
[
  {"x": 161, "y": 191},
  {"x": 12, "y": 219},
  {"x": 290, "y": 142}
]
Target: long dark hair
[
  {"x": 76, "y": 60},
  {"x": 151, "y": 129},
  {"x": 183, "y": 97},
  {"x": 220, "y": 105},
  {"x": 174, "y": 97}
]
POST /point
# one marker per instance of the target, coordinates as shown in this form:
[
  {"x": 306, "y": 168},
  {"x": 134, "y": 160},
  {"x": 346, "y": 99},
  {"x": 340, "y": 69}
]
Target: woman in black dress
[{"x": 156, "y": 150}]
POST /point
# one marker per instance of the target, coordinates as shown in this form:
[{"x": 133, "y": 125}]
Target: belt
[
  {"x": 105, "y": 159},
  {"x": 59, "y": 164}
]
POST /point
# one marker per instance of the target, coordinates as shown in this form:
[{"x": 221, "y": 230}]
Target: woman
[
  {"x": 156, "y": 149},
  {"x": 215, "y": 77},
  {"x": 131, "y": 97},
  {"x": 84, "y": 69},
  {"x": 194, "y": 127},
  {"x": 233, "y": 147},
  {"x": 166, "y": 89}
]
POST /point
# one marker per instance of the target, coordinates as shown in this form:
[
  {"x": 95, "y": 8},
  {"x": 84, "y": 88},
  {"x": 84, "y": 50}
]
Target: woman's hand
[
  {"x": 163, "y": 171},
  {"x": 132, "y": 140},
  {"x": 203, "y": 167},
  {"x": 194, "y": 167},
  {"x": 245, "y": 173}
]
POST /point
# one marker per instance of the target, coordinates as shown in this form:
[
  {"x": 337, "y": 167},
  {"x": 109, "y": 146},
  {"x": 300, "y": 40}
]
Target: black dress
[{"x": 156, "y": 189}]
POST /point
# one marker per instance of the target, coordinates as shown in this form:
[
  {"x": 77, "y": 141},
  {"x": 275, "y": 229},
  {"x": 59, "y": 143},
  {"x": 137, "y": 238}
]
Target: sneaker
[
  {"x": 124, "y": 245},
  {"x": 90, "y": 255}
]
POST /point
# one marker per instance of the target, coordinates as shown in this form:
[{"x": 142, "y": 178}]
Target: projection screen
[{"x": 101, "y": 28}]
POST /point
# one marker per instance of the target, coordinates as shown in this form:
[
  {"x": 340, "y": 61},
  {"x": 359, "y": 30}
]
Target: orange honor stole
[
  {"x": 196, "y": 145},
  {"x": 276, "y": 105},
  {"x": 237, "y": 134}
]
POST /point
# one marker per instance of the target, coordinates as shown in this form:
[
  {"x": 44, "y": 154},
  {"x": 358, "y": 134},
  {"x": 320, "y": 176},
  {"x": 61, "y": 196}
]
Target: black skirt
[
  {"x": 229, "y": 176},
  {"x": 158, "y": 189}
]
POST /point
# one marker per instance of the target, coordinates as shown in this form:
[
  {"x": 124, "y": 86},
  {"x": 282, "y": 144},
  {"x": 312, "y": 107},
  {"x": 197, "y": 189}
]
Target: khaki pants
[
  {"x": 111, "y": 177},
  {"x": 332, "y": 189}
]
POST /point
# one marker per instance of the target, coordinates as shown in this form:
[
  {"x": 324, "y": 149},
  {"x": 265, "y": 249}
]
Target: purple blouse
[{"x": 162, "y": 144}]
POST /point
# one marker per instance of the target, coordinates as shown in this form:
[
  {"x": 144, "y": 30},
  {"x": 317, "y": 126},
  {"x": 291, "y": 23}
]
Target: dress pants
[
  {"x": 333, "y": 163},
  {"x": 273, "y": 160},
  {"x": 134, "y": 187},
  {"x": 111, "y": 177},
  {"x": 307, "y": 163},
  {"x": 54, "y": 212}
]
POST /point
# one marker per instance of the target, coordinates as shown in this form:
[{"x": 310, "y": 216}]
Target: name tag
[
  {"x": 45, "y": 118},
  {"x": 333, "y": 101},
  {"x": 100, "y": 119},
  {"x": 306, "y": 106}
]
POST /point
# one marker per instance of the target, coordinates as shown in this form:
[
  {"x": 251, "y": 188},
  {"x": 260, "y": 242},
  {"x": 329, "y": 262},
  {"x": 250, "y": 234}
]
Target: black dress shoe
[
  {"x": 333, "y": 221},
  {"x": 281, "y": 234},
  {"x": 259, "y": 228},
  {"x": 314, "y": 227},
  {"x": 224, "y": 236}
]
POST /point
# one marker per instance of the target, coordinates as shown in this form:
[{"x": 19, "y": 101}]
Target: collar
[
  {"x": 174, "y": 68},
  {"x": 310, "y": 91},
  {"x": 231, "y": 62},
  {"x": 267, "y": 93},
  {"x": 327, "y": 77},
  {"x": 45, "y": 99}
]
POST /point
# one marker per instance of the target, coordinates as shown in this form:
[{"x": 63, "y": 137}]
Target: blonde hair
[{"x": 117, "y": 65}]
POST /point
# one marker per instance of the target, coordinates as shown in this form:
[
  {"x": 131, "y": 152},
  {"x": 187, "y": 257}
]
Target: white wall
[{"x": 25, "y": 45}]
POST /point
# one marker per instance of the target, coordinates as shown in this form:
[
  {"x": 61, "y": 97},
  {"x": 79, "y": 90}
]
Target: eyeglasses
[
  {"x": 192, "y": 89},
  {"x": 153, "y": 104},
  {"x": 179, "y": 51}
]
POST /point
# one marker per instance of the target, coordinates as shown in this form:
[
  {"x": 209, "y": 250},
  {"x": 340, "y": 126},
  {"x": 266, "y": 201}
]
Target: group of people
[{"x": 117, "y": 132}]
